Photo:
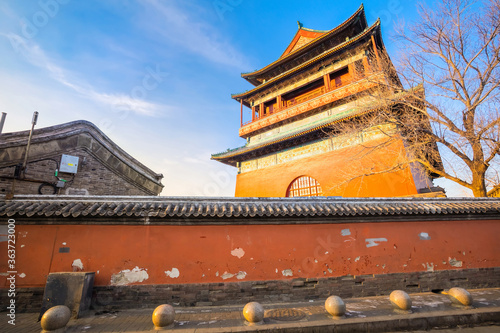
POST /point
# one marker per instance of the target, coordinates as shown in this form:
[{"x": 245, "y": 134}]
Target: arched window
[{"x": 304, "y": 186}]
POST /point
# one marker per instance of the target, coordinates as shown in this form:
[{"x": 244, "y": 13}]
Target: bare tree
[
  {"x": 454, "y": 52},
  {"x": 446, "y": 92}
]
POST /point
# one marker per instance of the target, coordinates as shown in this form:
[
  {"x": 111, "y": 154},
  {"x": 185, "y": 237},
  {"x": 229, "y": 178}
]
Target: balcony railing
[
  {"x": 272, "y": 109},
  {"x": 305, "y": 97}
]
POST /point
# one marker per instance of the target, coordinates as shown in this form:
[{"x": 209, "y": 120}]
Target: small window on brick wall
[{"x": 304, "y": 186}]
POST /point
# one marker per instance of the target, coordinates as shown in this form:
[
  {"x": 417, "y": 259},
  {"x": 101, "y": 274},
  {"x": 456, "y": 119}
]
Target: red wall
[
  {"x": 205, "y": 253},
  {"x": 332, "y": 169}
]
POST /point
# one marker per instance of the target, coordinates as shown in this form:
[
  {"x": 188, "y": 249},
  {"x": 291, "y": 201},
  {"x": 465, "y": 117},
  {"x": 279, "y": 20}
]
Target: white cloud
[
  {"x": 196, "y": 36},
  {"x": 121, "y": 101}
]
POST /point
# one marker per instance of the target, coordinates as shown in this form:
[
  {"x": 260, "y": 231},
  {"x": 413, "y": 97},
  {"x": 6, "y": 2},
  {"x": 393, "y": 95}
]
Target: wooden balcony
[
  {"x": 305, "y": 97},
  {"x": 304, "y": 103}
]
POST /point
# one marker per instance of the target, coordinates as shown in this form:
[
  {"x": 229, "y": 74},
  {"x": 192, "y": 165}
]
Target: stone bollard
[
  {"x": 460, "y": 296},
  {"x": 400, "y": 300},
  {"x": 55, "y": 319},
  {"x": 253, "y": 313},
  {"x": 335, "y": 306},
  {"x": 163, "y": 317}
]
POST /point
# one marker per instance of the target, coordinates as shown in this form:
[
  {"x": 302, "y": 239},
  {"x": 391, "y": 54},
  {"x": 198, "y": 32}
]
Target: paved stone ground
[{"x": 373, "y": 314}]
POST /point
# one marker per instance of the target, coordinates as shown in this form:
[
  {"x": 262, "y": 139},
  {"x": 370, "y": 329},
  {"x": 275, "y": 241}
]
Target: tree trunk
[{"x": 479, "y": 184}]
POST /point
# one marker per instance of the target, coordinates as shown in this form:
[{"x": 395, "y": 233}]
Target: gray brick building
[{"x": 74, "y": 158}]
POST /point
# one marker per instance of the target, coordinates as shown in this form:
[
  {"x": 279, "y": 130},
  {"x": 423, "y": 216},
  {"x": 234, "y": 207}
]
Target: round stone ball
[
  {"x": 400, "y": 299},
  {"x": 335, "y": 306},
  {"x": 55, "y": 318},
  {"x": 253, "y": 312},
  {"x": 163, "y": 315},
  {"x": 460, "y": 296}
]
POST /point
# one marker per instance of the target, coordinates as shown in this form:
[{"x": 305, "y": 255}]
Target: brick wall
[
  {"x": 104, "y": 168},
  {"x": 295, "y": 290},
  {"x": 92, "y": 178}
]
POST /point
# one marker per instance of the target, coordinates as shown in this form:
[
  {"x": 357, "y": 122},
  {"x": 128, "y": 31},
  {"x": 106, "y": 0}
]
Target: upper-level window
[
  {"x": 304, "y": 93},
  {"x": 339, "y": 78},
  {"x": 270, "y": 107},
  {"x": 304, "y": 186}
]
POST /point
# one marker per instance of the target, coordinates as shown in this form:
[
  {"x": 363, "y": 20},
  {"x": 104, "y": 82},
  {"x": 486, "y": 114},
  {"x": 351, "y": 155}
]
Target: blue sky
[{"x": 156, "y": 76}]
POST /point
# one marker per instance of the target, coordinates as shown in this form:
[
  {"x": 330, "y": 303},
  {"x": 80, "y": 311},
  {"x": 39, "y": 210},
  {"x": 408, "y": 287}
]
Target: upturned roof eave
[
  {"x": 300, "y": 32},
  {"x": 374, "y": 27},
  {"x": 291, "y": 55},
  {"x": 221, "y": 157}
]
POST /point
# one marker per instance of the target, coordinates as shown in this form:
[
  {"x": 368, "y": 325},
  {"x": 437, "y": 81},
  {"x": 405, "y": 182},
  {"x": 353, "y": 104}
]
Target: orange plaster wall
[
  {"x": 205, "y": 254},
  {"x": 332, "y": 169}
]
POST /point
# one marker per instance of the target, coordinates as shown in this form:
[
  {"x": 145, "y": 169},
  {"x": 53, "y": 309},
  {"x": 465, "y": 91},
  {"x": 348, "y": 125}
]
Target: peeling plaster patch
[
  {"x": 238, "y": 252},
  {"x": 287, "y": 272},
  {"x": 217, "y": 273},
  {"x": 22, "y": 245},
  {"x": 22, "y": 275},
  {"x": 63, "y": 243},
  {"x": 357, "y": 259},
  {"x": 77, "y": 263},
  {"x": 463, "y": 252},
  {"x": 454, "y": 262},
  {"x": 227, "y": 275},
  {"x": 330, "y": 270},
  {"x": 241, "y": 275},
  {"x": 345, "y": 232},
  {"x": 373, "y": 241},
  {"x": 430, "y": 267},
  {"x": 97, "y": 272},
  {"x": 405, "y": 265},
  {"x": 424, "y": 236},
  {"x": 128, "y": 276},
  {"x": 276, "y": 271},
  {"x": 383, "y": 266},
  {"x": 174, "y": 273}
]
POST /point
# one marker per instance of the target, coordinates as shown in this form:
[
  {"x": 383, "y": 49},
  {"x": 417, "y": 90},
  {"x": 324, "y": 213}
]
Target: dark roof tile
[{"x": 178, "y": 207}]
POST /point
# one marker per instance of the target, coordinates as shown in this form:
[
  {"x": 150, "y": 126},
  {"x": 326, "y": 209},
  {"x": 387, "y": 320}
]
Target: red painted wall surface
[
  {"x": 349, "y": 172},
  {"x": 202, "y": 254}
]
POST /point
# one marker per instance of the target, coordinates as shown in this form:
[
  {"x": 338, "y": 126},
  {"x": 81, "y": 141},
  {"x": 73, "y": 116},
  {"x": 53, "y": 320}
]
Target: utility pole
[
  {"x": 33, "y": 123},
  {"x": 2, "y": 121},
  {"x": 20, "y": 169}
]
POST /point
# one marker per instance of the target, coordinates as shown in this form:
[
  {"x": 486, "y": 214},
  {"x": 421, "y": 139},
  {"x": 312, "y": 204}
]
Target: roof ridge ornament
[{"x": 300, "y": 24}]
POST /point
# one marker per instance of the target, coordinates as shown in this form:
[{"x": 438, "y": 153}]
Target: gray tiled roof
[{"x": 199, "y": 207}]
